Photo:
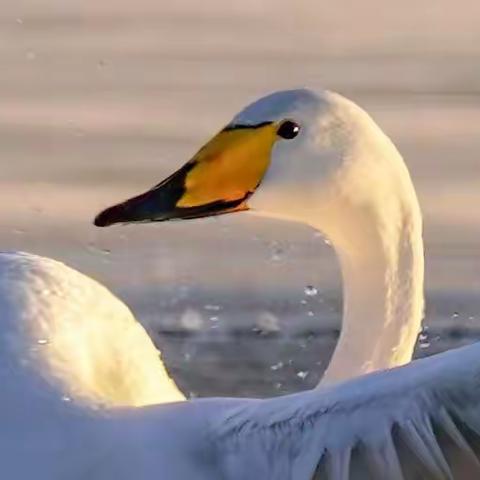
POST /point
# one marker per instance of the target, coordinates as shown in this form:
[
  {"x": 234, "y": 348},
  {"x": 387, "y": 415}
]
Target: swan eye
[{"x": 288, "y": 130}]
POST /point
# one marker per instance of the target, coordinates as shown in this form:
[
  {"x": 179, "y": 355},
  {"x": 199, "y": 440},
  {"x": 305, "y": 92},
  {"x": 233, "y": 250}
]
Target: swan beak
[{"x": 218, "y": 179}]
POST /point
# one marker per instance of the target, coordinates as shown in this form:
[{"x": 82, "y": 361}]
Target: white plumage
[
  {"x": 419, "y": 421},
  {"x": 85, "y": 395}
]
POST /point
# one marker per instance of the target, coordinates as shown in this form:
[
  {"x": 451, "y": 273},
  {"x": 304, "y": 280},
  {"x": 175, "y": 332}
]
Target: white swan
[{"x": 70, "y": 352}]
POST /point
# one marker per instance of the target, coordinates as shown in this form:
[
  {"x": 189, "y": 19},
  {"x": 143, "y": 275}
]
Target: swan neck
[{"x": 383, "y": 274}]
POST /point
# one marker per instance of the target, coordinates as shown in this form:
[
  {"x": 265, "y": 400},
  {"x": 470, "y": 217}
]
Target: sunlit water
[{"x": 101, "y": 101}]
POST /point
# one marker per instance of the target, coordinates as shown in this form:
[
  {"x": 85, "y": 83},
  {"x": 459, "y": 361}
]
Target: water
[{"x": 101, "y": 101}]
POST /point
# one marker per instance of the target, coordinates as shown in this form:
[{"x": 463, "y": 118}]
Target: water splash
[
  {"x": 303, "y": 374},
  {"x": 191, "y": 320},
  {"x": 267, "y": 322},
  {"x": 276, "y": 366},
  {"x": 212, "y": 307},
  {"x": 423, "y": 338},
  {"x": 310, "y": 291}
]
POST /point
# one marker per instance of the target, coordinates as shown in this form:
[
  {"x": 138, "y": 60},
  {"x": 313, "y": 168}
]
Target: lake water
[{"x": 101, "y": 100}]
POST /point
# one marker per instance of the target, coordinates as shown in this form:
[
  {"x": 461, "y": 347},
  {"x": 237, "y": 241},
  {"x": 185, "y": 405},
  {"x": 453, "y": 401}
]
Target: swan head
[{"x": 301, "y": 155}]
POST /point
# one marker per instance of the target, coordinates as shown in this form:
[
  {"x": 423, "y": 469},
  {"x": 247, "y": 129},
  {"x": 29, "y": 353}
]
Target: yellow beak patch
[
  {"x": 230, "y": 166},
  {"x": 218, "y": 179}
]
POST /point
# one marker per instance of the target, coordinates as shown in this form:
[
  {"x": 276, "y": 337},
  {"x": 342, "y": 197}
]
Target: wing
[{"x": 420, "y": 421}]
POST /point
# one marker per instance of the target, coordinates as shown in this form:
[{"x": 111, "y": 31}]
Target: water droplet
[
  {"x": 66, "y": 398},
  {"x": 31, "y": 55},
  {"x": 320, "y": 236},
  {"x": 278, "y": 385},
  {"x": 310, "y": 313},
  {"x": 455, "y": 315},
  {"x": 423, "y": 338},
  {"x": 102, "y": 63},
  {"x": 276, "y": 257},
  {"x": 277, "y": 253},
  {"x": 303, "y": 301},
  {"x": 19, "y": 21},
  {"x": 277, "y": 366},
  {"x": 267, "y": 322},
  {"x": 187, "y": 357},
  {"x": 42, "y": 341},
  {"x": 212, "y": 308},
  {"x": 191, "y": 320},
  {"x": 302, "y": 374},
  {"x": 214, "y": 318},
  {"x": 310, "y": 291}
]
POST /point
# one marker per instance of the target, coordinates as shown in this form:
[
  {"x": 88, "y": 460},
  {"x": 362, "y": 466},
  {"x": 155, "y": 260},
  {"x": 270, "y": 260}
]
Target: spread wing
[{"x": 420, "y": 421}]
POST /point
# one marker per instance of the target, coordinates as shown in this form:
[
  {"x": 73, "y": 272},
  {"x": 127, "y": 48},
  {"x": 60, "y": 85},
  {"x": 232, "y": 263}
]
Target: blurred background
[{"x": 101, "y": 100}]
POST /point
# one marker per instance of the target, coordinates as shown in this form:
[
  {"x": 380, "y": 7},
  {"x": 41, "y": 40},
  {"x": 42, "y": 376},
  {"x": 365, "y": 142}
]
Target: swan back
[{"x": 65, "y": 335}]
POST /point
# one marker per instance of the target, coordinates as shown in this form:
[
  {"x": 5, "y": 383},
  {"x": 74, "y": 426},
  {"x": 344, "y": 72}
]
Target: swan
[{"x": 85, "y": 394}]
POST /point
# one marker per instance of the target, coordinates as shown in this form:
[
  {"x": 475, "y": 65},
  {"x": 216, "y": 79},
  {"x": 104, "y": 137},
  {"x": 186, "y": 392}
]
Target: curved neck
[{"x": 383, "y": 268}]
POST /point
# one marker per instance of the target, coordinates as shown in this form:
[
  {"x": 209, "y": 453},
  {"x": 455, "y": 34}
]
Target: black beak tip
[{"x": 109, "y": 216}]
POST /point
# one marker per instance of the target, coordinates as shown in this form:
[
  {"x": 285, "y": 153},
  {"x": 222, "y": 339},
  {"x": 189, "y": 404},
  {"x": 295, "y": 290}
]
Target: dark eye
[{"x": 288, "y": 130}]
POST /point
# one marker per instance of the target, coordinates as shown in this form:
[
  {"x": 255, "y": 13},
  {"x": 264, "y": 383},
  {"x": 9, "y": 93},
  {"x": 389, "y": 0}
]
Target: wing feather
[{"x": 417, "y": 422}]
